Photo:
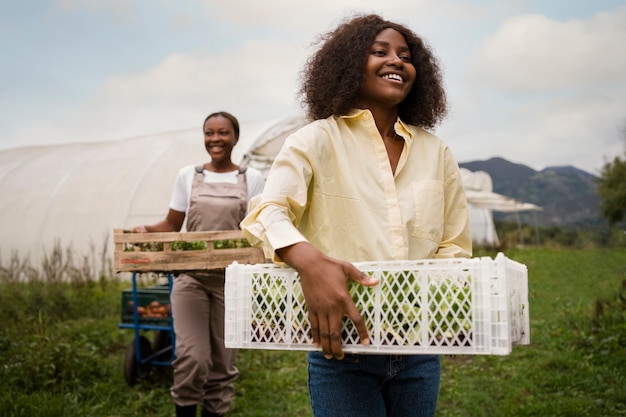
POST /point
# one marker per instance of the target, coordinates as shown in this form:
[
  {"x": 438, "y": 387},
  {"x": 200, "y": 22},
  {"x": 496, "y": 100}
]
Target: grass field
[{"x": 61, "y": 352}]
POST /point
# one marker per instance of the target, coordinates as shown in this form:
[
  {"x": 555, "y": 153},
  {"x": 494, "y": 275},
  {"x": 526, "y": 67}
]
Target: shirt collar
[{"x": 402, "y": 128}]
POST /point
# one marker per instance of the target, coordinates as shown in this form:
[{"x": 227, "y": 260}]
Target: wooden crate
[{"x": 160, "y": 252}]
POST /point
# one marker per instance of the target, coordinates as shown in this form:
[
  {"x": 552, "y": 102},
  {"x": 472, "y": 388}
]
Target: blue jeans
[{"x": 374, "y": 385}]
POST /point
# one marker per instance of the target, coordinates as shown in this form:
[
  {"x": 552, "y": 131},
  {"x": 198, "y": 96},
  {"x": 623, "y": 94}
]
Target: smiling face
[
  {"x": 219, "y": 139},
  {"x": 389, "y": 73}
]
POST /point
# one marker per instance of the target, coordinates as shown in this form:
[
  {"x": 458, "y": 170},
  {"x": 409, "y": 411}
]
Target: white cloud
[
  {"x": 543, "y": 93},
  {"x": 258, "y": 75},
  {"x": 531, "y": 89},
  {"x": 256, "y": 81},
  {"x": 534, "y": 53}
]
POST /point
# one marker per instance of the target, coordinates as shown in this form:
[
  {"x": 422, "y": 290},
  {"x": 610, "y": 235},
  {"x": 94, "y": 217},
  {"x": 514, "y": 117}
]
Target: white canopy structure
[
  {"x": 74, "y": 195},
  {"x": 482, "y": 202}
]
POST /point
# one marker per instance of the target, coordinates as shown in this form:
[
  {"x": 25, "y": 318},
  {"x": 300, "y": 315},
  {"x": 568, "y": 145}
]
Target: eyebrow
[{"x": 385, "y": 43}]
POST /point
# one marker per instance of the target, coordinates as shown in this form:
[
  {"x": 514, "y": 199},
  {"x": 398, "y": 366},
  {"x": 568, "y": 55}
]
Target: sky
[{"x": 537, "y": 82}]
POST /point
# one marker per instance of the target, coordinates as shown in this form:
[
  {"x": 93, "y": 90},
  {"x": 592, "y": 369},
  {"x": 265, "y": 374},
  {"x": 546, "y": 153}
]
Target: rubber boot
[
  {"x": 186, "y": 411},
  {"x": 206, "y": 413}
]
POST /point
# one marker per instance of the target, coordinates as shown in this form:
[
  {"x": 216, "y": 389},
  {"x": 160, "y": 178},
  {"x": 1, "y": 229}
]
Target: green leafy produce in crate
[
  {"x": 412, "y": 315},
  {"x": 404, "y": 314}
]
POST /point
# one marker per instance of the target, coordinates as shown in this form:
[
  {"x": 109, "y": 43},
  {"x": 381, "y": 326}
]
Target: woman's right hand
[
  {"x": 324, "y": 282},
  {"x": 173, "y": 222}
]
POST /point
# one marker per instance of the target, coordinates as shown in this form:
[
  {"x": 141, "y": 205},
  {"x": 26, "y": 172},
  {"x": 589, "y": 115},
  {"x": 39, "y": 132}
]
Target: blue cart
[{"x": 147, "y": 309}]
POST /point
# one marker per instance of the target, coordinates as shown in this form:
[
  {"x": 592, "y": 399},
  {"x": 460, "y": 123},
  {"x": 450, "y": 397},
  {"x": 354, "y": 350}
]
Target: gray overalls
[{"x": 204, "y": 370}]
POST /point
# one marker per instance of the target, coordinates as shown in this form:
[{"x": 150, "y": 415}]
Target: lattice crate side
[
  {"x": 482, "y": 308},
  {"x": 469, "y": 288},
  {"x": 509, "y": 304},
  {"x": 458, "y": 294},
  {"x": 285, "y": 314},
  {"x": 270, "y": 313},
  {"x": 517, "y": 297},
  {"x": 498, "y": 342},
  {"x": 367, "y": 301},
  {"x": 450, "y": 306},
  {"x": 237, "y": 292},
  {"x": 418, "y": 306},
  {"x": 279, "y": 316}
]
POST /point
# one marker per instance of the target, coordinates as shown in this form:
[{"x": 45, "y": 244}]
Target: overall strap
[{"x": 242, "y": 173}]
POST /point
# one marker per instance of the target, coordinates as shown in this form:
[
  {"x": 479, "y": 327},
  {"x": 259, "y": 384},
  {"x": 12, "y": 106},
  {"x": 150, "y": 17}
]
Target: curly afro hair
[{"x": 332, "y": 77}]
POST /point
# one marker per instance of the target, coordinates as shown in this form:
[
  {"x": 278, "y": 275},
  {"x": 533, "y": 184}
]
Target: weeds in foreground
[
  {"x": 59, "y": 265},
  {"x": 61, "y": 352}
]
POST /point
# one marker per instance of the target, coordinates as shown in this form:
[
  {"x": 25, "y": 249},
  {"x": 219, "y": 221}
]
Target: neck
[
  {"x": 221, "y": 166},
  {"x": 385, "y": 125},
  {"x": 385, "y": 118}
]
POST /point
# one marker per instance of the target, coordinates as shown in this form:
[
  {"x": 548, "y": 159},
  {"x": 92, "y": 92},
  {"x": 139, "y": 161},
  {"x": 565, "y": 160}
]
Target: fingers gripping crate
[{"x": 442, "y": 306}]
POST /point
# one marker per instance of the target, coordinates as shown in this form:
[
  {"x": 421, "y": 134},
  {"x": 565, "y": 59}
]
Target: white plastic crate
[{"x": 440, "y": 306}]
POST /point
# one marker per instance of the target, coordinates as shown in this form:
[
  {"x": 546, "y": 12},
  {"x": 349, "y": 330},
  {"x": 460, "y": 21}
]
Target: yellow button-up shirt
[{"x": 332, "y": 185}]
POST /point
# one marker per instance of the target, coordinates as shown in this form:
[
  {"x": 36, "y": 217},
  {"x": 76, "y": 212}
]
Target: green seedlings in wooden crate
[
  {"x": 186, "y": 245},
  {"x": 192, "y": 245},
  {"x": 231, "y": 244},
  {"x": 143, "y": 247}
]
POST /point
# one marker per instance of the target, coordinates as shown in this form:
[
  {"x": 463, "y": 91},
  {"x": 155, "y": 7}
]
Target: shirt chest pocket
[{"x": 429, "y": 210}]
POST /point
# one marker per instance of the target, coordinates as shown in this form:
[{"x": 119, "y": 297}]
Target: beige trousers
[{"x": 204, "y": 370}]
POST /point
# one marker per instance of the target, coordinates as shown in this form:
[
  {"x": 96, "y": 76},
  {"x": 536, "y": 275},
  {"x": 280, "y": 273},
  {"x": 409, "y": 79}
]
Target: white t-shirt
[{"x": 182, "y": 187}]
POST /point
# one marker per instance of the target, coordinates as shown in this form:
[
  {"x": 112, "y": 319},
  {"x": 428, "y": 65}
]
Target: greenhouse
[{"x": 72, "y": 196}]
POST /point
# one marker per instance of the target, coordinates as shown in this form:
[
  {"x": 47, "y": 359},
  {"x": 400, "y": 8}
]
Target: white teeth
[{"x": 395, "y": 77}]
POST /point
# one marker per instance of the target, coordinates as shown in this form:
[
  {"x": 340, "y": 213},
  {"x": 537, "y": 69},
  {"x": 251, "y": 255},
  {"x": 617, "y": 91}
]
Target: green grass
[
  {"x": 568, "y": 369},
  {"x": 62, "y": 354}
]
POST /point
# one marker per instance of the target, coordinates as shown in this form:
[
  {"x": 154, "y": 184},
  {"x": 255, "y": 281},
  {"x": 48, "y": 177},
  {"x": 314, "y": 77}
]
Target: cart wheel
[
  {"x": 161, "y": 340},
  {"x": 132, "y": 368}
]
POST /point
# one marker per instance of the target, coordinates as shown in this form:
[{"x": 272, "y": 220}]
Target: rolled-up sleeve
[{"x": 273, "y": 215}]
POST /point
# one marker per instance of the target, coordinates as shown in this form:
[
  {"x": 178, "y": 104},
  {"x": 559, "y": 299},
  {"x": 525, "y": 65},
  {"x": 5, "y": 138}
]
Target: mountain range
[{"x": 568, "y": 196}]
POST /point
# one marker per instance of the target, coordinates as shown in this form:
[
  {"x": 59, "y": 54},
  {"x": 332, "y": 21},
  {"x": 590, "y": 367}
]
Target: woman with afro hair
[{"x": 365, "y": 180}]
